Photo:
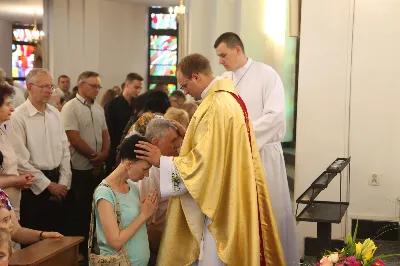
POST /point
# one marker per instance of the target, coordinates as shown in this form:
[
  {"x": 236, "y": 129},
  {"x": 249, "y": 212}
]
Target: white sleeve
[
  {"x": 271, "y": 126},
  {"x": 65, "y": 165},
  {"x": 171, "y": 184},
  {"x": 17, "y": 136}
]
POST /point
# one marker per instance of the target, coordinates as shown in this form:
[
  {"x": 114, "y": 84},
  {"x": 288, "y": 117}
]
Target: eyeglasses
[
  {"x": 94, "y": 86},
  {"x": 184, "y": 85},
  {"x": 51, "y": 87}
]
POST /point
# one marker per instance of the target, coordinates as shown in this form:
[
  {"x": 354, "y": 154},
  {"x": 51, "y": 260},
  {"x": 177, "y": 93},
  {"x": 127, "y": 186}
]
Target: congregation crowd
[{"x": 110, "y": 171}]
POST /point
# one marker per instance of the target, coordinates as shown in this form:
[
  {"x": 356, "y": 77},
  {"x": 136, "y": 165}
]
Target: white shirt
[
  {"x": 40, "y": 142},
  {"x": 262, "y": 91},
  {"x": 10, "y": 168},
  {"x": 18, "y": 98},
  {"x": 203, "y": 94},
  {"x": 90, "y": 121},
  {"x": 146, "y": 185},
  {"x": 208, "y": 248}
]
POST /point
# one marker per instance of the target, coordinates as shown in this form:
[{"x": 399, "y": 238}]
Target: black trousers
[
  {"x": 82, "y": 189},
  {"x": 153, "y": 257},
  {"x": 40, "y": 213}
]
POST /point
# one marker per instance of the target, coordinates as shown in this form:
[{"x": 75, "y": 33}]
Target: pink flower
[
  {"x": 325, "y": 262},
  {"x": 352, "y": 261},
  {"x": 378, "y": 262},
  {"x": 339, "y": 264}
]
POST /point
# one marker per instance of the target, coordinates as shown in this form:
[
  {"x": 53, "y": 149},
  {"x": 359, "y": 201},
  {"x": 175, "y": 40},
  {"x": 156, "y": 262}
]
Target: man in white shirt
[
  {"x": 262, "y": 91},
  {"x": 163, "y": 134},
  {"x": 39, "y": 140},
  {"x": 86, "y": 129}
]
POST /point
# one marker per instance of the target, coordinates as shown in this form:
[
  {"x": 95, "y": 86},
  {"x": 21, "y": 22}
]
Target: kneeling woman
[{"x": 134, "y": 212}]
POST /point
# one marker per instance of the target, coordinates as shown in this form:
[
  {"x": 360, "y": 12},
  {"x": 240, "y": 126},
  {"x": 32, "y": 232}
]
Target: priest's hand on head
[
  {"x": 149, "y": 152},
  {"x": 181, "y": 129},
  {"x": 149, "y": 204}
]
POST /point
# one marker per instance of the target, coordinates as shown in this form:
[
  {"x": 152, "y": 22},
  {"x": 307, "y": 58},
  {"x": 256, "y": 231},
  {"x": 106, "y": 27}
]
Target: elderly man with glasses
[
  {"x": 39, "y": 140},
  {"x": 86, "y": 128}
]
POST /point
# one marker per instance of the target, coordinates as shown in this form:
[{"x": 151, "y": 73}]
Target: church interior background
[{"x": 338, "y": 60}]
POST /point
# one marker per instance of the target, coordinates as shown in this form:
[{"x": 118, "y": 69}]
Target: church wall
[
  {"x": 323, "y": 102},
  {"x": 251, "y": 28},
  {"x": 347, "y": 104},
  {"x": 104, "y": 36},
  {"x": 208, "y": 19},
  {"x": 123, "y": 41},
  {"x": 375, "y": 124},
  {"x": 202, "y": 21},
  {"x": 5, "y": 46}
]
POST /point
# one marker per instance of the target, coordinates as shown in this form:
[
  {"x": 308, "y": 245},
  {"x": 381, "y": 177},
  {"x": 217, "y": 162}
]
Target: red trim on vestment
[{"x": 246, "y": 119}]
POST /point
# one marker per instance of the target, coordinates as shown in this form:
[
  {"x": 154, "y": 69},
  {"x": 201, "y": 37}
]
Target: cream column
[{"x": 91, "y": 52}]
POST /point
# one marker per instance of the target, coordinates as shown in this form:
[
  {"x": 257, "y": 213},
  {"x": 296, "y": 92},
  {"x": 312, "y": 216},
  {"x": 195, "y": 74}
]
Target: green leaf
[{"x": 355, "y": 233}]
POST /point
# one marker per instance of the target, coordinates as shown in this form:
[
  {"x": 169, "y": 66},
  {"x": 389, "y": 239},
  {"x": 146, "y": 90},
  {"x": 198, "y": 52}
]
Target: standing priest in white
[{"x": 262, "y": 91}]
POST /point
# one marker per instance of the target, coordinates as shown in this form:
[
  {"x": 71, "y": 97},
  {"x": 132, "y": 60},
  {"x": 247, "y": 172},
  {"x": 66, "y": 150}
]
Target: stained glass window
[
  {"x": 163, "y": 70},
  {"x": 23, "y": 51},
  {"x": 163, "y": 21},
  {"x": 163, "y": 47},
  {"x": 171, "y": 87},
  {"x": 163, "y": 42},
  {"x": 22, "y": 35},
  {"x": 22, "y": 60},
  {"x": 163, "y": 57}
]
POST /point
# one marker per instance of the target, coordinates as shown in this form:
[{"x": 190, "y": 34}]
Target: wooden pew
[{"x": 49, "y": 252}]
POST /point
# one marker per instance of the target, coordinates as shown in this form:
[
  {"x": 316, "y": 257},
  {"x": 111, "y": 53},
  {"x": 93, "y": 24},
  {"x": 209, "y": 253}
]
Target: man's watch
[{"x": 41, "y": 236}]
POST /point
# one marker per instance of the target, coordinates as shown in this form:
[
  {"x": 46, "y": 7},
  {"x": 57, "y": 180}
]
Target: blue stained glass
[{"x": 163, "y": 21}]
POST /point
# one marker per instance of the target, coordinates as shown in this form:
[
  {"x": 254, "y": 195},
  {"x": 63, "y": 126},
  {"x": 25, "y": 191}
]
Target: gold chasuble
[{"x": 225, "y": 179}]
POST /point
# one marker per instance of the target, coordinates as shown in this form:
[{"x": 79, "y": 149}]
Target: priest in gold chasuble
[{"x": 219, "y": 212}]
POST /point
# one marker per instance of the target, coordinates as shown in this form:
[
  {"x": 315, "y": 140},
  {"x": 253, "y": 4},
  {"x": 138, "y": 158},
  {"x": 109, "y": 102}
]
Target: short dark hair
[
  {"x": 194, "y": 63},
  {"x": 61, "y": 77},
  {"x": 133, "y": 76},
  {"x": 129, "y": 145},
  {"x": 86, "y": 75},
  {"x": 123, "y": 86},
  {"x": 140, "y": 102},
  {"x": 160, "y": 84},
  {"x": 6, "y": 90},
  {"x": 230, "y": 39},
  {"x": 74, "y": 91},
  {"x": 157, "y": 102},
  {"x": 178, "y": 94}
]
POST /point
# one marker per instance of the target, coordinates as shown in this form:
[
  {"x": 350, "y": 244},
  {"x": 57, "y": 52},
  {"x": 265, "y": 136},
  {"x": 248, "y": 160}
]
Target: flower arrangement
[{"x": 354, "y": 254}]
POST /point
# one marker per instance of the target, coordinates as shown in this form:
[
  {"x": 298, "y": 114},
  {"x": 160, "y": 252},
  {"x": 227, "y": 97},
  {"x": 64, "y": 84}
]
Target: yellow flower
[
  {"x": 365, "y": 250},
  {"x": 358, "y": 248}
]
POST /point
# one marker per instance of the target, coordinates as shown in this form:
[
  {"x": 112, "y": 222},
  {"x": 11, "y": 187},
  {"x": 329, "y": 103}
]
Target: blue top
[{"x": 129, "y": 203}]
